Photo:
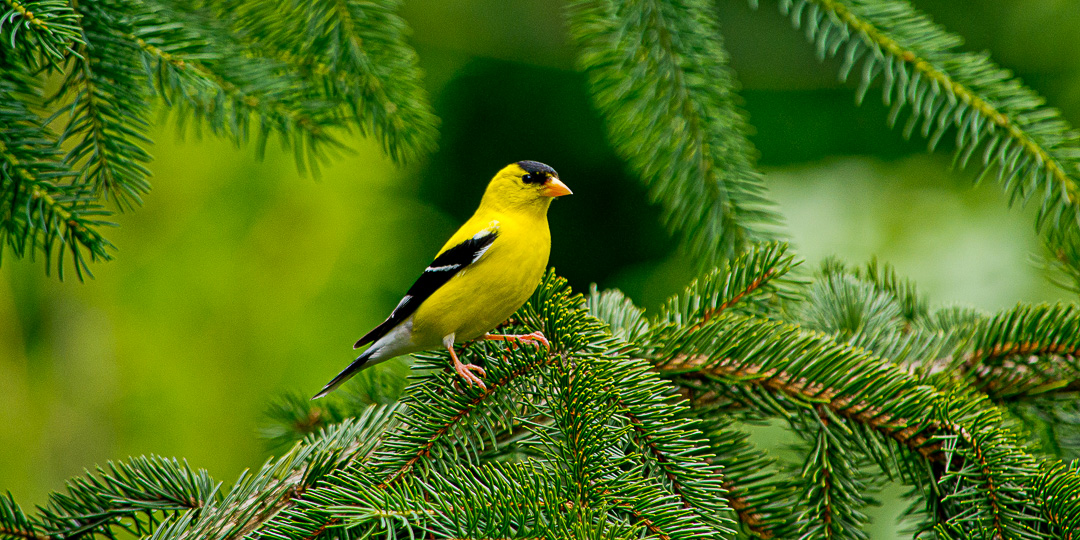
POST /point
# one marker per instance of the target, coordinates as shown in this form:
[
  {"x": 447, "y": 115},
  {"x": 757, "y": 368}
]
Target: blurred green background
[{"x": 240, "y": 279}]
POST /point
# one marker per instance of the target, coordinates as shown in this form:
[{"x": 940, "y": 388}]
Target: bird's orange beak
[{"x": 554, "y": 188}]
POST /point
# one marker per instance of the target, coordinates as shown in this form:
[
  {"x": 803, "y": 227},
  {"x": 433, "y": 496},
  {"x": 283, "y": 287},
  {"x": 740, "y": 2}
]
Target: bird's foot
[
  {"x": 536, "y": 338},
  {"x": 465, "y": 371}
]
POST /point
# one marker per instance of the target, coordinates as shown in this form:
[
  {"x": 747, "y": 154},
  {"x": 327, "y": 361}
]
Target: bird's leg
[
  {"x": 535, "y": 337},
  {"x": 464, "y": 370}
]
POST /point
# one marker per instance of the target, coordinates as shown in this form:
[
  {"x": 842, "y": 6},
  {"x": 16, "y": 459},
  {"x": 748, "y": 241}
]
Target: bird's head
[{"x": 524, "y": 185}]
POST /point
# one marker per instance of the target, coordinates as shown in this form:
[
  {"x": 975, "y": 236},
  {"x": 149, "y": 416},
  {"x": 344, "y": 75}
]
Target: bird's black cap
[{"x": 535, "y": 167}]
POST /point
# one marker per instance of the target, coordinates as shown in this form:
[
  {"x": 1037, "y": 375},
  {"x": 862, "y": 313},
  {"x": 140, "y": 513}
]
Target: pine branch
[
  {"x": 669, "y": 443},
  {"x": 625, "y": 452},
  {"x": 14, "y": 525},
  {"x": 755, "y": 282},
  {"x": 214, "y": 69},
  {"x": 987, "y": 483},
  {"x": 131, "y": 496},
  {"x": 851, "y": 310},
  {"x": 445, "y": 505},
  {"x": 353, "y": 53},
  {"x": 276, "y": 488},
  {"x": 201, "y": 70},
  {"x": 884, "y": 279},
  {"x": 780, "y": 370},
  {"x": 1063, "y": 257},
  {"x": 833, "y": 493},
  {"x": 592, "y": 458},
  {"x": 108, "y": 107},
  {"x": 625, "y": 320},
  {"x": 1058, "y": 485},
  {"x": 659, "y": 76},
  {"x": 41, "y": 212},
  {"x": 443, "y": 420},
  {"x": 1033, "y": 148},
  {"x": 1025, "y": 352},
  {"x": 45, "y": 27},
  {"x": 293, "y": 417},
  {"x": 761, "y": 495}
]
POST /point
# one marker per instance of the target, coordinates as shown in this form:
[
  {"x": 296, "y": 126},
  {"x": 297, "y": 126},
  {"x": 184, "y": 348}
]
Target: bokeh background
[{"x": 241, "y": 279}]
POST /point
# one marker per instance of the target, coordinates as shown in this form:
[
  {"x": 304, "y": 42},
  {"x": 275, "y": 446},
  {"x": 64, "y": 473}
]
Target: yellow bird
[{"x": 483, "y": 274}]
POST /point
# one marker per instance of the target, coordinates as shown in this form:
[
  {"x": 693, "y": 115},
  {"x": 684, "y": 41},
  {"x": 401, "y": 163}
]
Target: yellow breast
[{"x": 488, "y": 291}]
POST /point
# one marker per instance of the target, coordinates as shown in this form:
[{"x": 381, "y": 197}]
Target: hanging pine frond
[
  {"x": 659, "y": 75},
  {"x": 353, "y": 53},
  {"x": 107, "y": 106},
  {"x": 39, "y": 29},
  {"x": 246, "y": 71},
  {"x": 995, "y": 117},
  {"x": 44, "y": 214}
]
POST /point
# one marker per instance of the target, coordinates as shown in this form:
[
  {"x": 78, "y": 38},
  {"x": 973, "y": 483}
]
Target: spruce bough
[{"x": 634, "y": 425}]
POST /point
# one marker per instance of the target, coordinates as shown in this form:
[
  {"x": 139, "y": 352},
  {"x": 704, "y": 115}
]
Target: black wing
[{"x": 437, "y": 273}]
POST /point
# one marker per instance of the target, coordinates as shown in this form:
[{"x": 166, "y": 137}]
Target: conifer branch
[
  {"x": 762, "y": 496},
  {"x": 354, "y": 53},
  {"x": 1058, "y": 484},
  {"x": 108, "y": 108},
  {"x": 787, "y": 366},
  {"x": 41, "y": 212},
  {"x": 46, "y": 26},
  {"x": 1025, "y": 352},
  {"x": 1033, "y": 148},
  {"x": 257, "y": 500},
  {"x": 194, "y": 76},
  {"x": 984, "y": 471},
  {"x": 14, "y": 524},
  {"x": 906, "y": 431},
  {"x": 459, "y": 414},
  {"x": 763, "y": 504},
  {"x": 833, "y": 493},
  {"x": 214, "y": 68},
  {"x": 128, "y": 495},
  {"x": 669, "y": 442},
  {"x": 669, "y": 105},
  {"x": 751, "y": 282}
]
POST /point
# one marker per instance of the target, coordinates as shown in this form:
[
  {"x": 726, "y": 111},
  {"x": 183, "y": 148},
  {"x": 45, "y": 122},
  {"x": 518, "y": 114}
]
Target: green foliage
[
  {"x": 994, "y": 116},
  {"x": 43, "y": 211},
  {"x": 632, "y": 424},
  {"x": 40, "y": 29},
  {"x": 305, "y": 73},
  {"x": 1058, "y": 484},
  {"x": 659, "y": 75},
  {"x": 603, "y": 437},
  {"x": 13, "y": 522}
]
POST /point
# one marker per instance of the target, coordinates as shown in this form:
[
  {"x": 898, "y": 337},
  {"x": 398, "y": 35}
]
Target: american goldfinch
[{"x": 483, "y": 274}]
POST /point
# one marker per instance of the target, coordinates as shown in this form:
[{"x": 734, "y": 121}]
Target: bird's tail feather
[{"x": 347, "y": 373}]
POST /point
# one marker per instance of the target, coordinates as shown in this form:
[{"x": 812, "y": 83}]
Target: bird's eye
[{"x": 534, "y": 178}]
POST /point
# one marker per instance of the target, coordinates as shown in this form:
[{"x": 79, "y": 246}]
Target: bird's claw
[
  {"x": 465, "y": 372},
  {"x": 538, "y": 338}
]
